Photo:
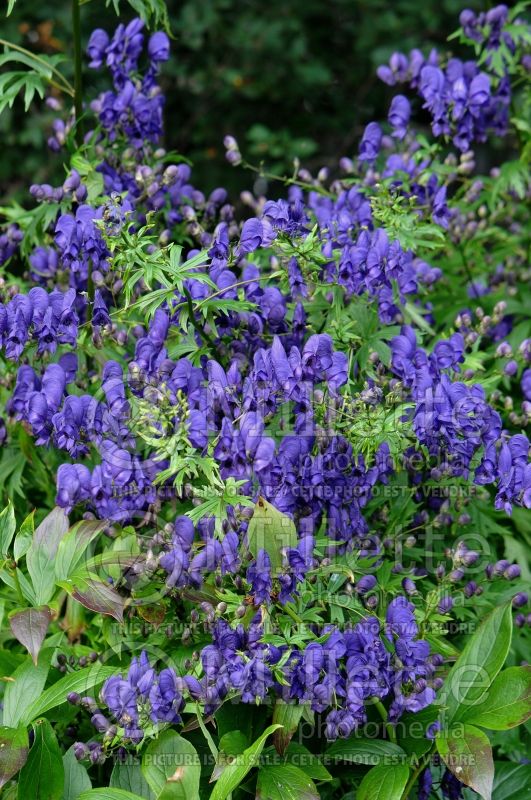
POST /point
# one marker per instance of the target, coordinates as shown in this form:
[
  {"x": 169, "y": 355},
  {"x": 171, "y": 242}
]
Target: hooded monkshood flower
[
  {"x": 100, "y": 314},
  {"x": 251, "y": 236},
  {"x": 141, "y": 695},
  {"x": 259, "y": 576},
  {"x": 370, "y": 142},
  {"x": 97, "y": 46},
  {"x": 159, "y": 47},
  {"x": 399, "y": 115},
  {"x": 513, "y": 474},
  {"x": 73, "y": 485}
]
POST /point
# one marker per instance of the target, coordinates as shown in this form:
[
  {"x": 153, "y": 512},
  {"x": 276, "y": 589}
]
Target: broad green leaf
[
  {"x": 233, "y": 743},
  {"x": 172, "y": 768},
  {"x": 479, "y": 663},
  {"x": 14, "y": 747},
  {"x": 366, "y": 751},
  {"x": 8, "y": 527},
  {"x": 107, "y": 793},
  {"x": 42, "y": 777},
  {"x": 24, "y": 537},
  {"x": 384, "y": 783},
  {"x": 284, "y": 782},
  {"x": 76, "y": 776},
  {"x": 130, "y": 778},
  {"x": 26, "y": 686},
  {"x": 10, "y": 661},
  {"x": 467, "y": 753},
  {"x": 40, "y": 558},
  {"x": 511, "y": 781},
  {"x": 288, "y": 715},
  {"x": 29, "y": 626},
  {"x": 309, "y": 763},
  {"x": 80, "y": 682},
  {"x": 234, "y": 773},
  {"x": 507, "y": 702},
  {"x": 272, "y": 531},
  {"x": 73, "y": 545}
]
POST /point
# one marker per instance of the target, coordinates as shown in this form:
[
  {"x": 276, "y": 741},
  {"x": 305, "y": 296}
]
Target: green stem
[
  {"x": 295, "y": 617},
  {"x": 416, "y": 772},
  {"x": 388, "y": 725},
  {"x": 203, "y": 334},
  {"x": 287, "y": 181},
  {"x": 78, "y": 77}
]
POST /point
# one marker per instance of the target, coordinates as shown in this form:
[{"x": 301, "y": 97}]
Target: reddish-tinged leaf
[
  {"x": 98, "y": 596},
  {"x": 29, "y": 626},
  {"x": 14, "y": 747},
  {"x": 467, "y": 753}
]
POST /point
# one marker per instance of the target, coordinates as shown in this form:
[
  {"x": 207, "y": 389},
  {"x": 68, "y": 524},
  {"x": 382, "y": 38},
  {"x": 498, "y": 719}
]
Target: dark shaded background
[{"x": 285, "y": 78}]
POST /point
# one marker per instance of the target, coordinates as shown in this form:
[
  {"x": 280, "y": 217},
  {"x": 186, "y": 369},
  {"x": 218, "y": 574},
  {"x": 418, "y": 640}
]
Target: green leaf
[
  {"x": 479, "y": 663},
  {"x": 172, "y": 768},
  {"x": 40, "y": 558},
  {"x": 80, "y": 682},
  {"x": 42, "y": 777},
  {"x": 467, "y": 753},
  {"x": 288, "y": 715},
  {"x": 507, "y": 702},
  {"x": 26, "y": 686},
  {"x": 95, "y": 595},
  {"x": 14, "y": 748},
  {"x": 511, "y": 781},
  {"x": 366, "y": 751},
  {"x": 383, "y": 783},
  {"x": 272, "y": 531},
  {"x": 24, "y": 537},
  {"x": 8, "y": 527},
  {"x": 130, "y": 778},
  {"x": 29, "y": 626},
  {"x": 76, "y": 776},
  {"x": 109, "y": 794},
  {"x": 234, "y": 773},
  {"x": 233, "y": 743},
  {"x": 285, "y": 782},
  {"x": 73, "y": 545},
  {"x": 309, "y": 763}
]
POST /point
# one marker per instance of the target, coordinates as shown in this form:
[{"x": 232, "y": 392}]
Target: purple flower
[
  {"x": 259, "y": 576},
  {"x": 399, "y": 115},
  {"x": 158, "y": 47},
  {"x": 96, "y": 48},
  {"x": 100, "y": 314},
  {"x": 370, "y": 142},
  {"x": 251, "y": 236}
]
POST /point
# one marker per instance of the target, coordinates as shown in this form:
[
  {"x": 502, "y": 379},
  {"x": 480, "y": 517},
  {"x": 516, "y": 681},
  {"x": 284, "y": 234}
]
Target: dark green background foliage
[{"x": 286, "y": 78}]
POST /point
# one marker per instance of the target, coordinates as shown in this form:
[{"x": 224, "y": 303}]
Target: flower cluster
[
  {"x": 465, "y": 103},
  {"x": 47, "y": 318},
  {"x": 144, "y": 696},
  {"x": 266, "y": 358},
  {"x": 340, "y": 676},
  {"x": 134, "y": 108},
  {"x": 454, "y": 419}
]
